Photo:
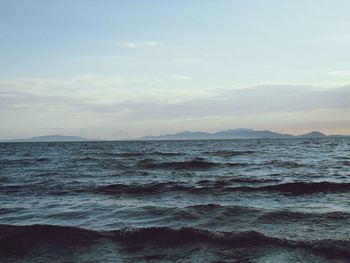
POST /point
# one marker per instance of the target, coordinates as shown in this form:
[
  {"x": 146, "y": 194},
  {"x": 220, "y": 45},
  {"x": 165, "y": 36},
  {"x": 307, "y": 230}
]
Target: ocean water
[{"x": 176, "y": 201}]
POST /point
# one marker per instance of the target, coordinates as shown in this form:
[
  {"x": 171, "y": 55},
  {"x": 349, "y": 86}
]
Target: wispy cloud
[
  {"x": 180, "y": 77},
  {"x": 129, "y": 44},
  {"x": 339, "y": 73},
  {"x": 245, "y": 102},
  {"x": 86, "y": 89},
  {"x": 150, "y": 43}
]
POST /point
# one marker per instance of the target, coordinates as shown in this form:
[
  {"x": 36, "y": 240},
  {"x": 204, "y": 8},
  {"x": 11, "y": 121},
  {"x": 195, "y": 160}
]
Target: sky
[{"x": 125, "y": 69}]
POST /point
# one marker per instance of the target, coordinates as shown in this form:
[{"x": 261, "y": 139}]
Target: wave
[
  {"x": 307, "y": 187},
  {"x": 113, "y": 156},
  {"x": 151, "y": 188},
  {"x": 227, "y": 153},
  {"x": 228, "y": 181},
  {"x": 166, "y": 153},
  {"x": 284, "y": 164},
  {"x": 136, "y": 154},
  {"x": 282, "y": 215},
  {"x": 209, "y": 187},
  {"x": 85, "y": 159},
  {"x": 195, "y": 164},
  {"x": 211, "y": 214},
  {"x": 15, "y": 238},
  {"x": 128, "y": 154},
  {"x": 215, "y": 187},
  {"x": 24, "y": 161},
  {"x": 346, "y": 163},
  {"x": 10, "y": 188}
]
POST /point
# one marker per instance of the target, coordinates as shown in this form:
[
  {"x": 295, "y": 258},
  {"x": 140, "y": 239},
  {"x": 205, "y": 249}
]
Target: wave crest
[
  {"x": 14, "y": 237},
  {"x": 214, "y": 187}
]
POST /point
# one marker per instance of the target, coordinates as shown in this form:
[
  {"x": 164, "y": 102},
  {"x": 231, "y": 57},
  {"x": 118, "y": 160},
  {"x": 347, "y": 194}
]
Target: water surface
[{"x": 176, "y": 201}]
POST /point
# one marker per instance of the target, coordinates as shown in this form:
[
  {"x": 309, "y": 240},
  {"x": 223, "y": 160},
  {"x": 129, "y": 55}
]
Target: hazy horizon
[{"x": 121, "y": 70}]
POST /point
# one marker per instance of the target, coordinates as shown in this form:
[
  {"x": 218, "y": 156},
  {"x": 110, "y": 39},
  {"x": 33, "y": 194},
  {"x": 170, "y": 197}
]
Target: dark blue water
[{"x": 176, "y": 201}]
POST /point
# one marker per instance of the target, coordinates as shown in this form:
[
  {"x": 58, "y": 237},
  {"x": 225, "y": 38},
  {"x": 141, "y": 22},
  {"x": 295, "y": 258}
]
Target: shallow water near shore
[{"x": 268, "y": 200}]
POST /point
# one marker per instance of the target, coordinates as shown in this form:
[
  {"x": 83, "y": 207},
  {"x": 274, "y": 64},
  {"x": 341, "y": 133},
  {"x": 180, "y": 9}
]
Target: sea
[{"x": 259, "y": 200}]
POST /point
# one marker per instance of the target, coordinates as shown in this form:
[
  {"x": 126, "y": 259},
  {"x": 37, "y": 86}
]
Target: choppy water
[{"x": 176, "y": 201}]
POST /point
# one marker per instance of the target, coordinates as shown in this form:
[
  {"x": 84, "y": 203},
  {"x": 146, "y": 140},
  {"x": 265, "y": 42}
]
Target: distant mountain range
[
  {"x": 189, "y": 135},
  {"x": 51, "y": 138},
  {"x": 232, "y": 134}
]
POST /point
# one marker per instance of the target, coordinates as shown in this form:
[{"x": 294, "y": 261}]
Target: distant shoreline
[{"x": 170, "y": 140}]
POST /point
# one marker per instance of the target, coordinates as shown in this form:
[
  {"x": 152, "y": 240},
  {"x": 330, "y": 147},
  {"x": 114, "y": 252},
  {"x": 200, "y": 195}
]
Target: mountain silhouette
[{"x": 231, "y": 134}]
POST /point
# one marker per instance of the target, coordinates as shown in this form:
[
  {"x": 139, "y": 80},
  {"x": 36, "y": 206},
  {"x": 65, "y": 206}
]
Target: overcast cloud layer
[{"x": 118, "y": 103}]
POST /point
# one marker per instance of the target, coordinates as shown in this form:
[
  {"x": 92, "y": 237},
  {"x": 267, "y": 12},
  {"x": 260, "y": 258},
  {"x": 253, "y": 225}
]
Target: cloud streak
[
  {"x": 274, "y": 99},
  {"x": 180, "y": 77},
  {"x": 132, "y": 45},
  {"x": 91, "y": 93}
]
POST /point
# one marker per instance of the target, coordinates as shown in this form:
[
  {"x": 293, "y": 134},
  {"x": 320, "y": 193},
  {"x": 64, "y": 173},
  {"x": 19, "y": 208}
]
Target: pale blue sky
[{"x": 121, "y": 69}]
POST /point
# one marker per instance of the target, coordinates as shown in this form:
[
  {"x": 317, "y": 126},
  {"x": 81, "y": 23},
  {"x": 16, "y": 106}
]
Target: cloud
[
  {"x": 150, "y": 43},
  {"x": 80, "y": 83},
  {"x": 129, "y": 45},
  {"x": 180, "y": 77},
  {"x": 339, "y": 73},
  {"x": 139, "y": 44},
  {"x": 245, "y": 102},
  {"x": 110, "y": 102},
  {"x": 118, "y": 95}
]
